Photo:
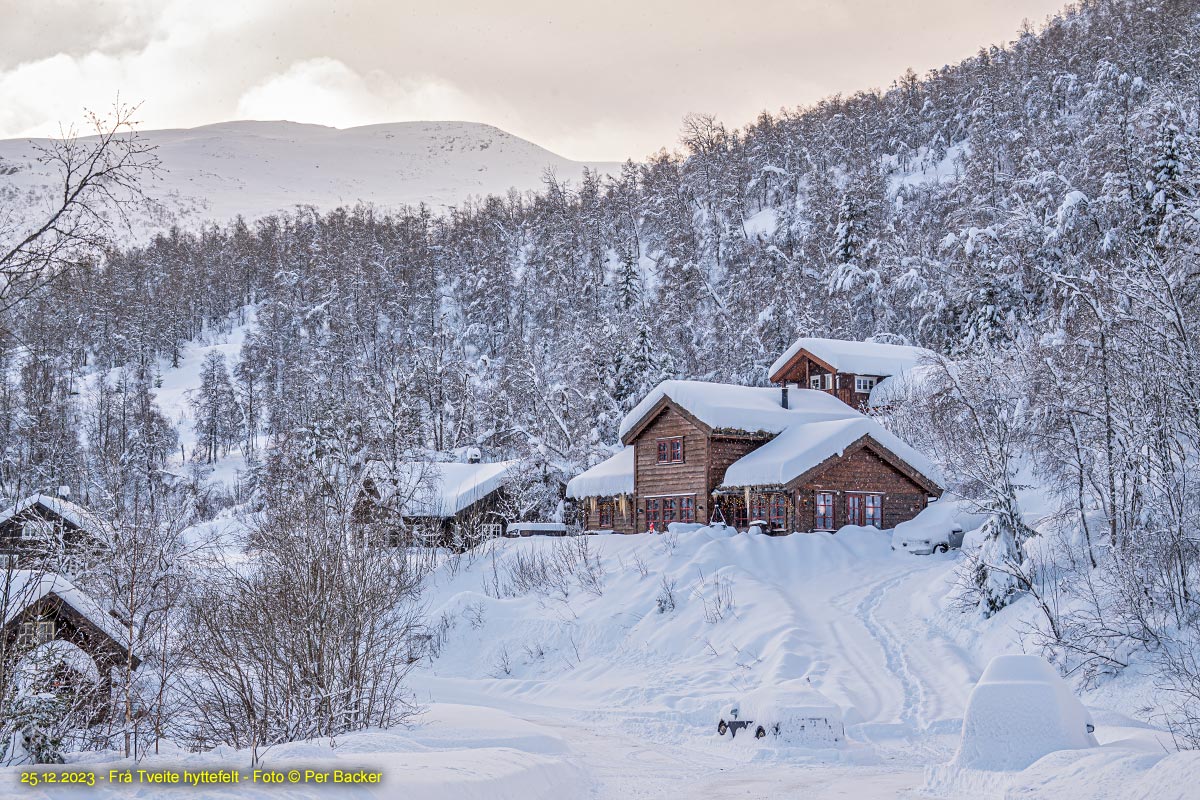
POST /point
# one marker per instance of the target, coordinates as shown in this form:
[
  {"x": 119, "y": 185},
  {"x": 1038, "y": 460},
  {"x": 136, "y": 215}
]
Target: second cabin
[{"x": 849, "y": 371}]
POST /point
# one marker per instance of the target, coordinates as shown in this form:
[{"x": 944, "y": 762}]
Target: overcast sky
[{"x": 601, "y": 79}]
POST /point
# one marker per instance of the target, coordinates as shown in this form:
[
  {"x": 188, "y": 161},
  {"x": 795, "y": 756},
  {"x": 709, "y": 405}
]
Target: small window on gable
[
  {"x": 670, "y": 451},
  {"x": 863, "y": 383},
  {"x": 814, "y": 381}
]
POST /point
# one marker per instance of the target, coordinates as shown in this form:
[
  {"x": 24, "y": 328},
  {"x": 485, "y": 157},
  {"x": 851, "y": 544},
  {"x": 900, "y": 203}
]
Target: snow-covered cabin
[
  {"x": 606, "y": 493},
  {"x": 442, "y": 502},
  {"x": 48, "y": 618},
  {"x": 848, "y": 370},
  {"x": 45, "y": 531},
  {"x": 798, "y": 461}
]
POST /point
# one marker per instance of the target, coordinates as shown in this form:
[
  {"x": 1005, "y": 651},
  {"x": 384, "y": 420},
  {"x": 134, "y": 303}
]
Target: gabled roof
[
  {"x": 438, "y": 489},
  {"x": 802, "y": 448},
  {"x": 859, "y": 358},
  {"x": 726, "y": 407},
  {"x": 611, "y": 477},
  {"x": 76, "y": 515},
  {"x": 29, "y": 586}
]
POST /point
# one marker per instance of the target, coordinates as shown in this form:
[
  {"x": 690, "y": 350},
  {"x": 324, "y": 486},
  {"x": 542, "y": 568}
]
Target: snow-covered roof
[
  {"x": 438, "y": 489},
  {"x": 29, "y": 586},
  {"x": 611, "y": 477},
  {"x": 902, "y": 386},
  {"x": 537, "y": 527},
  {"x": 724, "y": 406},
  {"x": 860, "y": 358},
  {"x": 802, "y": 447},
  {"x": 76, "y": 515}
]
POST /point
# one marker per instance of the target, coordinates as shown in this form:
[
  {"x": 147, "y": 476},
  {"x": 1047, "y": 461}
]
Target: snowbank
[{"x": 463, "y": 752}]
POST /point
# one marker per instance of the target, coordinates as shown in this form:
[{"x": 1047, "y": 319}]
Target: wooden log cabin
[
  {"x": 794, "y": 459},
  {"x": 439, "y": 503},
  {"x": 50, "y": 622},
  {"x": 48, "y": 532},
  {"x": 849, "y": 371}
]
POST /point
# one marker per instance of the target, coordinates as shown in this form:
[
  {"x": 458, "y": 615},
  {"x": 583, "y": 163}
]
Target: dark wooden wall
[{"x": 860, "y": 471}]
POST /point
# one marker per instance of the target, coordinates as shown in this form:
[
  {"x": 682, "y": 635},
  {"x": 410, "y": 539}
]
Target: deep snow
[{"x": 599, "y": 686}]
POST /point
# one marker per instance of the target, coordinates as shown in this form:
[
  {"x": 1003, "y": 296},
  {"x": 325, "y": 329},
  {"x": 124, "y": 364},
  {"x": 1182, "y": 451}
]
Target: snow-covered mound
[
  {"x": 1020, "y": 711},
  {"x": 216, "y": 172}
]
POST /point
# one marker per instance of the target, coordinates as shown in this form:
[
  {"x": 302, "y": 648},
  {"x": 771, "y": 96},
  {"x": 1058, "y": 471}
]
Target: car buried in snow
[
  {"x": 795, "y": 716},
  {"x": 923, "y": 541}
]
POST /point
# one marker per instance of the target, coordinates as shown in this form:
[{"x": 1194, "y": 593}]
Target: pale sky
[{"x": 599, "y": 80}]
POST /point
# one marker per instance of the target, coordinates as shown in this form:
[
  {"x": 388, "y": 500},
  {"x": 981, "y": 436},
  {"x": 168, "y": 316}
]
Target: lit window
[
  {"x": 874, "y": 510},
  {"x": 863, "y": 384},
  {"x": 824, "y": 511}
]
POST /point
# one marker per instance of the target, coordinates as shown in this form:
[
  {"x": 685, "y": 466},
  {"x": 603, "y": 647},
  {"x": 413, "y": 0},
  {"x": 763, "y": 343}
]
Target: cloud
[
  {"x": 328, "y": 92},
  {"x": 589, "y": 81}
]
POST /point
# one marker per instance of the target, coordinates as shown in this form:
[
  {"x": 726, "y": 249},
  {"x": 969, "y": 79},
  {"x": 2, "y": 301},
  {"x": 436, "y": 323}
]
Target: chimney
[{"x": 783, "y": 395}]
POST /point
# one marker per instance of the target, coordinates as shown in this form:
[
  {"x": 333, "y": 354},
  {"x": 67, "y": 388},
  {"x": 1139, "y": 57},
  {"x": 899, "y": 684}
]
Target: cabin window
[
  {"x": 854, "y": 509},
  {"x": 653, "y": 513},
  {"x": 814, "y": 381},
  {"x": 670, "y": 451},
  {"x": 9, "y": 561},
  {"x": 668, "y": 505},
  {"x": 35, "y": 633},
  {"x": 824, "y": 520},
  {"x": 863, "y": 384},
  {"x": 606, "y": 515},
  {"x": 687, "y": 509},
  {"x": 874, "y": 510},
  {"x": 778, "y": 517},
  {"x": 35, "y": 530}
]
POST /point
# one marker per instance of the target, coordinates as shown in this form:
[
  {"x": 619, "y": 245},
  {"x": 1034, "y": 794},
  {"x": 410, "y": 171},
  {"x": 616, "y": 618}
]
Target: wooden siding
[
  {"x": 690, "y": 477},
  {"x": 843, "y": 382},
  {"x": 861, "y": 471}
]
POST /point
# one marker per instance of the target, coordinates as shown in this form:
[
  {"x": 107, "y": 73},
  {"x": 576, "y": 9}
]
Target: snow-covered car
[
  {"x": 793, "y": 715},
  {"x": 1021, "y": 710},
  {"x": 923, "y": 541}
]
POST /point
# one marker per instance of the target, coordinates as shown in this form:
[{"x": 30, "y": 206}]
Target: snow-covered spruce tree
[{"x": 219, "y": 418}]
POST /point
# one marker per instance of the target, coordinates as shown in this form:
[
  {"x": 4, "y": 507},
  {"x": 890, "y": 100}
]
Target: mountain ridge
[{"x": 253, "y": 168}]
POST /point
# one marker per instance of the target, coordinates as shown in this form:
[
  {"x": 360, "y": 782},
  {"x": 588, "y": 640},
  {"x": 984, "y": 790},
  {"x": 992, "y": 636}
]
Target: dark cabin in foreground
[{"x": 49, "y": 620}]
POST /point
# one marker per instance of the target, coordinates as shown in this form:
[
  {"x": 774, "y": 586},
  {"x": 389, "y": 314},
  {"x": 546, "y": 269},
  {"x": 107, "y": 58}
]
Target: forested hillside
[{"x": 1031, "y": 213}]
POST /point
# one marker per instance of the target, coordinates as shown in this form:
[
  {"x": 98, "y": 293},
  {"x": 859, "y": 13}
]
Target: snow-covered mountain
[{"x": 216, "y": 172}]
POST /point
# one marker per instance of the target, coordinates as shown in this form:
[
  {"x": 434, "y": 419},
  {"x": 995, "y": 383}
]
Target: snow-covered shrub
[{"x": 665, "y": 600}]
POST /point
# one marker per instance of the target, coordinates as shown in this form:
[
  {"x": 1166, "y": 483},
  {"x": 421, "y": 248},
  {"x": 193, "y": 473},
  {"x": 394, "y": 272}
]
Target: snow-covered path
[{"x": 864, "y": 632}]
